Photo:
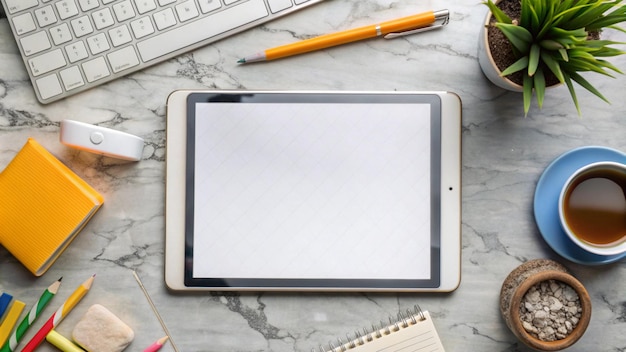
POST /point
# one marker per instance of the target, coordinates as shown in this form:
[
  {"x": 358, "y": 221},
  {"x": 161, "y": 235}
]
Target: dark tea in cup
[{"x": 592, "y": 208}]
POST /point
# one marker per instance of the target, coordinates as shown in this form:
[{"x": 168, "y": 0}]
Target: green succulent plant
[{"x": 552, "y": 36}]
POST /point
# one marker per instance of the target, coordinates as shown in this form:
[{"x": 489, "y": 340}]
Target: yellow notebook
[{"x": 44, "y": 205}]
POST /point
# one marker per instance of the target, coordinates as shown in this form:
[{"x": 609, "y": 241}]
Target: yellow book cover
[{"x": 43, "y": 207}]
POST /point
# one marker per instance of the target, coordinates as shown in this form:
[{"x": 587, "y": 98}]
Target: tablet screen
[{"x": 312, "y": 190}]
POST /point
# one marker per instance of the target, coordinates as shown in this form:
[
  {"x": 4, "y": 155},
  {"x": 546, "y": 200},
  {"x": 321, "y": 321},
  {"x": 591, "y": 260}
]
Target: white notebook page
[
  {"x": 419, "y": 337},
  {"x": 312, "y": 191}
]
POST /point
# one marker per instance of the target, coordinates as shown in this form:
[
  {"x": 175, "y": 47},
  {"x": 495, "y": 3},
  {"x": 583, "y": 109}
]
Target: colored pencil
[
  {"x": 5, "y": 301},
  {"x": 58, "y": 316},
  {"x": 9, "y": 321},
  {"x": 28, "y": 320},
  {"x": 157, "y": 345},
  {"x": 62, "y": 343}
]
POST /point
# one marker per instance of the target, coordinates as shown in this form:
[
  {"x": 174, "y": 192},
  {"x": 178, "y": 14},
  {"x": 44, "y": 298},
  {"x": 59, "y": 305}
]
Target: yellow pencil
[
  {"x": 61, "y": 313},
  {"x": 419, "y": 21},
  {"x": 11, "y": 318}
]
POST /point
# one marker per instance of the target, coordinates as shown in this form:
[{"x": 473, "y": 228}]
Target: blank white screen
[{"x": 312, "y": 191}]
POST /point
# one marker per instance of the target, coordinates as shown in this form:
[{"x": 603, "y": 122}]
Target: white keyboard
[{"x": 72, "y": 45}]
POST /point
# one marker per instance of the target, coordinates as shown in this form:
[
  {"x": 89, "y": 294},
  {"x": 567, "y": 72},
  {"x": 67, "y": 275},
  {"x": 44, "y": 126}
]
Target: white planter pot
[{"x": 487, "y": 64}]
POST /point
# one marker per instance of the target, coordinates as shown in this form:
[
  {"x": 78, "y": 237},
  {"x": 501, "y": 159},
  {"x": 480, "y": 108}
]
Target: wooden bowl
[{"x": 520, "y": 281}]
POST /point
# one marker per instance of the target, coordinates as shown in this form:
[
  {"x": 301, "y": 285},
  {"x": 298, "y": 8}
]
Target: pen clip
[{"x": 442, "y": 18}]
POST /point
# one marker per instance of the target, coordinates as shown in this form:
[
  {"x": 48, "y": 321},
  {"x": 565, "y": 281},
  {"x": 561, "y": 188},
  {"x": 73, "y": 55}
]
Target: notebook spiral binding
[{"x": 360, "y": 338}]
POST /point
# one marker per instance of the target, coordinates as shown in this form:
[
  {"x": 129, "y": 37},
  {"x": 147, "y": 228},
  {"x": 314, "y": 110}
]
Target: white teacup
[{"x": 592, "y": 208}]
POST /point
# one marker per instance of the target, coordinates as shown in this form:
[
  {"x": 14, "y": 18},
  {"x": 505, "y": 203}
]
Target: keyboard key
[
  {"x": 279, "y": 5},
  {"x": 103, "y": 18},
  {"x": 47, "y": 62},
  {"x": 206, "y": 27},
  {"x": 96, "y": 69},
  {"x": 142, "y": 27},
  {"x": 72, "y": 78},
  {"x": 186, "y": 11},
  {"x": 81, "y": 26},
  {"x": 87, "y": 5},
  {"x": 49, "y": 86},
  {"x": 76, "y": 51},
  {"x": 24, "y": 23},
  {"x": 123, "y": 59},
  {"x": 144, "y": 6},
  {"x": 45, "y": 16},
  {"x": 164, "y": 19},
  {"x": 61, "y": 34},
  {"x": 166, "y": 2},
  {"x": 120, "y": 35},
  {"x": 66, "y": 9},
  {"x": 35, "y": 43},
  {"x": 98, "y": 43},
  {"x": 209, "y": 5},
  {"x": 123, "y": 10},
  {"x": 15, "y": 6}
]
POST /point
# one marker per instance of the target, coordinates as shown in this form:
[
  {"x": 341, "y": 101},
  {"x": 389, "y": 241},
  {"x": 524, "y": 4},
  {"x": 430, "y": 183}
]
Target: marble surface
[{"x": 504, "y": 154}]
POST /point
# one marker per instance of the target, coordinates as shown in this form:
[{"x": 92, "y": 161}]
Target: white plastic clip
[{"x": 101, "y": 140}]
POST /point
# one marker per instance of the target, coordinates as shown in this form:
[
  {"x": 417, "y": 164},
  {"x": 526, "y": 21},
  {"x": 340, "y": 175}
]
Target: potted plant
[{"x": 548, "y": 42}]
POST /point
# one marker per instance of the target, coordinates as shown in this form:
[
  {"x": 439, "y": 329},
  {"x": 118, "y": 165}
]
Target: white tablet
[{"x": 324, "y": 191}]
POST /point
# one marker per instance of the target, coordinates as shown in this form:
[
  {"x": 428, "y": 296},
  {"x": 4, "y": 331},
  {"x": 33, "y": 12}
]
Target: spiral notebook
[{"x": 410, "y": 333}]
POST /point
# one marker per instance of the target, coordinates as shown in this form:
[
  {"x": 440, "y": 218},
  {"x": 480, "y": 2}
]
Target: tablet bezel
[{"x": 446, "y": 251}]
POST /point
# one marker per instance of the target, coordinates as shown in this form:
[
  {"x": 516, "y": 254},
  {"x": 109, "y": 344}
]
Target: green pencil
[{"x": 28, "y": 320}]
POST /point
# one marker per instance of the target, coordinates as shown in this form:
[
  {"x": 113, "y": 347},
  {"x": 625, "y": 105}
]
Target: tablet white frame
[{"x": 450, "y": 193}]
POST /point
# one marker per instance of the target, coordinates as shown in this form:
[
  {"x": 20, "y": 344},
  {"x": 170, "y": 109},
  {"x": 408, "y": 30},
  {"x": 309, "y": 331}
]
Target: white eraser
[
  {"x": 101, "y": 140},
  {"x": 99, "y": 330}
]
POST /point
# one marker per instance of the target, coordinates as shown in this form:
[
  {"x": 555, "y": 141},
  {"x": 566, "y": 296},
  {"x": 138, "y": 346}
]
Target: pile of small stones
[{"x": 550, "y": 310}]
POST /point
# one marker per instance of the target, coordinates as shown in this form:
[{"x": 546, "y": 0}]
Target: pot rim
[
  {"x": 571, "y": 338},
  {"x": 485, "y": 38}
]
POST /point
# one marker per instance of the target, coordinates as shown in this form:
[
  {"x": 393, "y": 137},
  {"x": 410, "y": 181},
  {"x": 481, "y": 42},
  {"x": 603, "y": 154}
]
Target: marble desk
[{"x": 504, "y": 154}]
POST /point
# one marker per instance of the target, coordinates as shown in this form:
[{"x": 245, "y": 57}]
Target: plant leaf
[
  {"x": 575, "y": 35},
  {"x": 552, "y": 65},
  {"x": 610, "y": 66},
  {"x": 585, "y": 84},
  {"x": 540, "y": 87},
  {"x": 525, "y": 11},
  {"x": 519, "y": 36},
  {"x": 548, "y": 19},
  {"x": 610, "y": 19},
  {"x": 518, "y": 65},
  {"x": 528, "y": 93},
  {"x": 533, "y": 59},
  {"x": 572, "y": 92},
  {"x": 617, "y": 28},
  {"x": 550, "y": 44},
  {"x": 586, "y": 15},
  {"x": 533, "y": 18},
  {"x": 499, "y": 15},
  {"x": 581, "y": 63}
]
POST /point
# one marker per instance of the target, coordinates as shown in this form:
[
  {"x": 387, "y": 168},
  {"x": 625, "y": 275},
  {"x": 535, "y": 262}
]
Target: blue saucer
[{"x": 547, "y": 199}]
